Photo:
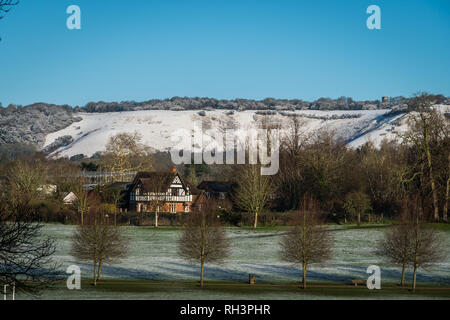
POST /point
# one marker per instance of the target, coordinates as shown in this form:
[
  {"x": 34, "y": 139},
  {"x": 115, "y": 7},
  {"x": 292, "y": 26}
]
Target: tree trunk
[
  {"x": 414, "y": 279},
  {"x": 156, "y": 219},
  {"x": 447, "y": 191},
  {"x": 256, "y": 220},
  {"x": 402, "y": 283},
  {"x": 95, "y": 273},
  {"x": 433, "y": 183},
  {"x": 82, "y": 217},
  {"x": 304, "y": 276},
  {"x": 115, "y": 217},
  {"x": 201, "y": 273},
  {"x": 435, "y": 197},
  {"x": 99, "y": 273},
  {"x": 358, "y": 221}
]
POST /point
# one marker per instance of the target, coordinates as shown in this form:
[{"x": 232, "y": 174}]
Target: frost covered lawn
[
  {"x": 153, "y": 257},
  {"x": 113, "y": 290}
]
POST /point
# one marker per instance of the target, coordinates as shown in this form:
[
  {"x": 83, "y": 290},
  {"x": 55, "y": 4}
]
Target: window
[
  {"x": 186, "y": 208},
  {"x": 174, "y": 192},
  {"x": 173, "y": 208}
]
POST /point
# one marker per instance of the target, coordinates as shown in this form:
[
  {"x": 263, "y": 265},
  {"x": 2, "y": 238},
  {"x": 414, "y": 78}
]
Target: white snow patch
[{"x": 157, "y": 126}]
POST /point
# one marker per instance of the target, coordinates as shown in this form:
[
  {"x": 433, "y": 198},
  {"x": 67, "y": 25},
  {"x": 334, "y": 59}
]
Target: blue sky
[{"x": 143, "y": 49}]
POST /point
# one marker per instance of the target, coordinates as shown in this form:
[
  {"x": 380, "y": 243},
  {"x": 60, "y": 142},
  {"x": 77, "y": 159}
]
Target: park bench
[{"x": 356, "y": 282}]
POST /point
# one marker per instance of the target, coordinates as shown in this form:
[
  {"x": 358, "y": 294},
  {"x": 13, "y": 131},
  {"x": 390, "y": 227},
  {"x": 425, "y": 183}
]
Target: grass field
[
  {"x": 116, "y": 289},
  {"x": 153, "y": 259}
]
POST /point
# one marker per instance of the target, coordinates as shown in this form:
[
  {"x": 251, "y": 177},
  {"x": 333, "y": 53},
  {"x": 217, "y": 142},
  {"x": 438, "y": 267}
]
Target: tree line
[
  {"x": 367, "y": 182},
  {"x": 364, "y": 184}
]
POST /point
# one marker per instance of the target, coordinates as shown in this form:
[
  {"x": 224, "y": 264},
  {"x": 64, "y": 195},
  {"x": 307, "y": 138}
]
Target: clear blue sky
[{"x": 143, "y": 49}]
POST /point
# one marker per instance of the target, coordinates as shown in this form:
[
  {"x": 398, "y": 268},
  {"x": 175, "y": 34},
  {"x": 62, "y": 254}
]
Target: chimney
[{"x": 173, "y": 169}]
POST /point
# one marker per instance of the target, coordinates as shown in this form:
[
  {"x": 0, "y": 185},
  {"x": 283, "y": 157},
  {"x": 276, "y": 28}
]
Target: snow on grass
[
  {"x": 157, "y": 126},
  {"x": 388, "y": 128},
  {"x": 154, "y": 256}
]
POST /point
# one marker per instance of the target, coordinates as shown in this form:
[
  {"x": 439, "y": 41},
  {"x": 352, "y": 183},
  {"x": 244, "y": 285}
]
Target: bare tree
[
  {"x": 204, "y": 239},
  {"x": 423, "y": 129},
  {"x": 426, "y": 246},
  {"x": 356, "y": 204},
  {"x": 253, "y": 192},
  {"x": 26, "y": 180},
  {"x": 99, "y": 242},
  {"x": 295, "y": 137},
  {"x": 308, "y": 242},
  {"x": 6, "y": 6},
  {"x": 447, "y": 192},
  {"x": 82, "y": 200},
  {"x": 25, "y": 252},
  {"x": 125, "y": 152},
  {"x": 395, "y": 246},
  {"x": 115, "y": 196},
  {"x": 385, "y": 174},
  {"x": 159, "y": 197}
]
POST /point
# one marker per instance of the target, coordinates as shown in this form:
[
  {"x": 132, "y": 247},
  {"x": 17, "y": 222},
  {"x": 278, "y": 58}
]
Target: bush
[{"x": 50, "y": 211}]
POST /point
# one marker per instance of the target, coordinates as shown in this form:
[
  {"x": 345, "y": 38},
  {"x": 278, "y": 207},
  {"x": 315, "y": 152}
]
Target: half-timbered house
[{"x": 160, "y": 192}]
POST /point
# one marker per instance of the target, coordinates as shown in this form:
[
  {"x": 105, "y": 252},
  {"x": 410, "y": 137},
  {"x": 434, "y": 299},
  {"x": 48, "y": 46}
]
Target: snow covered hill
[{"x": 91, "y": 134}]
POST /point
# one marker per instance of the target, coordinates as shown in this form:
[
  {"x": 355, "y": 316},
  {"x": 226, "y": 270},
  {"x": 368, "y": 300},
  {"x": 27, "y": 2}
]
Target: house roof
[
  {"x": 119, "y": 185},
  {"x": 89, "y": 187},
  {"x": 215, "y": 186},
  {"x": 70, "y": 198},
  {"x": 155, "y": 181}
]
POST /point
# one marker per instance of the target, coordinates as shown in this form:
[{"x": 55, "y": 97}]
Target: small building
[
  {"x": 218, "y": 189},
  {"x": 70, "y": 198},
  {"x": 160, "y": 192},
  {"x": 47, "y": 189}
]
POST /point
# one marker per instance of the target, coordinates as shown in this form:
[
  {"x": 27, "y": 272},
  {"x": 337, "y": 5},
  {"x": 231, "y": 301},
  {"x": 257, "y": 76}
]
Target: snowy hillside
[{"x": 91, "y": 134}]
